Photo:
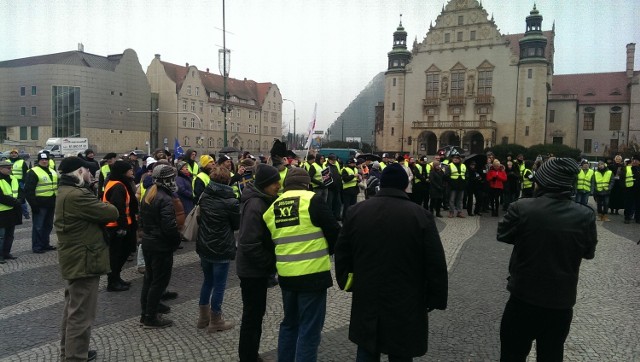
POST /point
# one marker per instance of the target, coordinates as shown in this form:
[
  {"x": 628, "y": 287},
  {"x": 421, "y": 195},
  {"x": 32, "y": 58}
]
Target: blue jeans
[
  {"x": 582, "y": 197},
  {"x": 41, "y": 229},
  {"x": 455, "y": 201},
  {"x": 215, "y": 280},
  {"x": 301, "y": 328},
  {"x": 362, "y": 355}
]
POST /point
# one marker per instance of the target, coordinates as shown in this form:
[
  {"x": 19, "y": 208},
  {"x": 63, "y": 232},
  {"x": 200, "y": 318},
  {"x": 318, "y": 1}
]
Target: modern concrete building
[
  {"x": 467, "y": 84},
  {"x": 190, "y": 102},
  {"x": 74, "y": 94}
]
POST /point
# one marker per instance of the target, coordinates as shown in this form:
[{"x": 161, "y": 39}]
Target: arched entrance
[
  {"x": 427, "y": 143},
  {"x": 236, "y": 143},
  {"x": 449, "y": 138},
  {"x": 473, "y": 141}
]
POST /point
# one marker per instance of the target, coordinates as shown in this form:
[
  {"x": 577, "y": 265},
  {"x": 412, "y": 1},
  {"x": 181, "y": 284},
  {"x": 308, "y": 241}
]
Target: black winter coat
[
  {"x": 158, "y": 221},
  {"x": 256, "y": 256},
  {"x": 219, "y": 217},
  {"x": 399, "y": 273},
  {"x": 551, "y": 234}
]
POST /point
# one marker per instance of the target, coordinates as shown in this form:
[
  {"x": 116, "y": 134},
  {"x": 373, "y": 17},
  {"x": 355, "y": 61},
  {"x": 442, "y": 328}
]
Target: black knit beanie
[
  {"x": 266, "y": 175},
  {"x": 557, "y": 174},
  {"x": 394, "y": 176},
  {"x": 297, "y": 179},
  {"x": 118, "y": 169}
]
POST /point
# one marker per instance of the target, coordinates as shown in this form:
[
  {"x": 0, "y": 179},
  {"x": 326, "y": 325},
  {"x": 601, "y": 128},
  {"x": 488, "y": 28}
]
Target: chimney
[
  {"x": 187, "y": 65},
  {"x": 207, "y": 70},
  {"x": 81, "y": 47},
  {"x": 158, "y": 56},
  {"x": 631, "y": 50}
]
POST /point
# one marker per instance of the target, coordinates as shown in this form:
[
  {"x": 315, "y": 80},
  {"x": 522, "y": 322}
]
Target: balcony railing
[
  {"x": 484, "y": 100},
  {"x": 476, "y": 124},
  {"x": 455, "y": 101},
  {"x": 431, "y": 102}
]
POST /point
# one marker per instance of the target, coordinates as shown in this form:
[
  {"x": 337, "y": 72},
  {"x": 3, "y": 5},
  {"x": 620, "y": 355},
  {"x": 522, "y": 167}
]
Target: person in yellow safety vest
[
  {"x": 304, "y": 232},
  {"x": 583, "y": 187},
  {"x": 385, "y": 161},
  {"x": 311, "y": 159},
  {"x": 105, "y": 169},
  {"x": 202, "y": 179},
  {"x": 350, "y": 189},
  {"x": 10, "y": 210},
  {"x": 121, "y": 233},
  {"x": 456, "y": 174},
  {"x": 425, "y": 170},
  {"x": 317, "y": 181},
  {"x": 334, "y": 191},
  {"x": 419, "y": 182},
  {"x": 190, "y": 159},
  {"x": 602, "y": 185},
  {"x": 226, "y": 162},
  {"x": 40, "y": 188},
  {"x": 19, "y": 170},
  {"x": 527, "y": 179},
  {"x": 631, "y": 177}
]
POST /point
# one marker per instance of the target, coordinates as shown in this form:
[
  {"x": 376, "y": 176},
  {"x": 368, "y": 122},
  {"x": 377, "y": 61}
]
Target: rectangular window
[
  {"x": 394, "y": 82},
  {"x": 184, "y": 105},
  {"x": 197, "y": 91},
  {"x": 485, "y": 82},
  {"x": 273, "y": 117},
  {"x": 66, "y": 113},
  {"x": 447, "y": 37},
  {"x": 265, "y": 116},
  {"x": 23, "y": 91},
  {"x": 23, "y": 111},
  {"x": 265, "y": 130},
  {"x": 529, "y": 73},
  {"x": 457, "y": 84},
  {"x": 587, "y": 146},
  {"x": 459, "y": 38},
  {"x": 273, "y": 131},
  {"x": 528, "y": 101},
  {"x": 392, "y": 131},
  {"x": 557, "y": 140},
  {"x": 193, "y": 106},
  {"x": 188, "y": 90},
  {"x": 34, "y": 91},
  {"x": 615, "y": 121},
  {"x": 184, "y": 122},
  {"x": 23, "y": 133},
  {"x": 460, "y": 20},
  {"x": 201, "y": 107},
  {"x": 588, "y": 121},
  {"x": 430, "y": 119},
  {"x": 433, "y": 85},
  {"x": 34, "y": 133},
  {"x": 526, "y": 131},
  {"x": 552, "y": 115},
  {"x": 472, "y": 35},
  {"x": 33, "y": 111},
  {"x": 613, "y": 144},
  {"x": 393, "y": 106}
]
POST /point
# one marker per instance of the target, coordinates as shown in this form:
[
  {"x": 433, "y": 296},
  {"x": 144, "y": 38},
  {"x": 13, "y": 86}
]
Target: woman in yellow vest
[
  {"x": 583, "y": 187},
  {"x": 119, "y": 191},
  {"x": 602, "y": 185},
  {"x": 10, "y": 210}
]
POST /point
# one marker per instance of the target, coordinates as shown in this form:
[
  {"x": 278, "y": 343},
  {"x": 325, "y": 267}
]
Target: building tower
[
  {"x": 534, "y": 74},
  {"x": 391, "y": 136}
]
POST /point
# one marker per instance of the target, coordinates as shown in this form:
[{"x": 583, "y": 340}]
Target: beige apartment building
[
  {"x": 467, "y": 84},
  {"x": 74, "y": 94},
  {"x": 190, "y": 108}
]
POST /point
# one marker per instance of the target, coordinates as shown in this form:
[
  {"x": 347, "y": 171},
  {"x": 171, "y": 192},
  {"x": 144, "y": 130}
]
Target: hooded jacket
[
  {"x": 159, "y": 223},
  {"x": 219, "y": 217}
]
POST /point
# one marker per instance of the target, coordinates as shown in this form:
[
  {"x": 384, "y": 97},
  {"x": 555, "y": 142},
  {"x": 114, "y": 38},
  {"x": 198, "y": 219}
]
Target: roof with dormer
[
  {"x": 243, "y": 89},
  {"x": 593, "y": 88}
]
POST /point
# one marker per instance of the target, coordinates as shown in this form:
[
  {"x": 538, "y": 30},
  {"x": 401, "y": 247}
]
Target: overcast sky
[{"x": 321, "y": 51}]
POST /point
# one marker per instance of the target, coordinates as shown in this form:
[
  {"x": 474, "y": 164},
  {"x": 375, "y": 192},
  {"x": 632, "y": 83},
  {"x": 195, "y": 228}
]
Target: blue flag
[{"x": 177, "y": 149}]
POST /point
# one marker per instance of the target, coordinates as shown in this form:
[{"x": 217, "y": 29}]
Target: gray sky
[{"x": 320, "y": 51}]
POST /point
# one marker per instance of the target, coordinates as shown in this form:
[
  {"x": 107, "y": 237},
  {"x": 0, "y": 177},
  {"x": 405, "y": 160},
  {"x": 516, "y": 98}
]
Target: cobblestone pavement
[{"x": 606, "y": 324}]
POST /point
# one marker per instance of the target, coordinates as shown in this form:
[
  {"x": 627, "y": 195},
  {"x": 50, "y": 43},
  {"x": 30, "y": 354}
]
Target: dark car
[{"x": 5, "y": 155}]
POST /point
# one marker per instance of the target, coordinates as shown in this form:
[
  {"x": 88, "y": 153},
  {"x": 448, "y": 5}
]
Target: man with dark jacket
[
  {"x": 396, "y": 278},
  {"x": 315, "y": 174},
  {"x": 255, "y": 257},
  {"x": 334, "y": 197},
  {"x": 20, "y": 169},
  {"x": 350, "y": 187},
  {"x": 10, "y": 210},
  {"x": 83, "y": 255},
  {"x": 190, "y": 159},
  {"x": 304, "y": 232},
  {"x": 40, "y": 188},
  {"x": 550, "y": 234}
]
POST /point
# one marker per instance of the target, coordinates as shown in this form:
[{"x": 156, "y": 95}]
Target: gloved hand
[{"x": 121, "y": 233}]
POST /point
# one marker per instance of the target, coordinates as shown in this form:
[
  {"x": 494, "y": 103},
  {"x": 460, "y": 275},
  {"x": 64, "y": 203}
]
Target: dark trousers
[
  {"x": 418, "y": 194},
  {"x": 348, "y": 199},
  {"x": 158, "y": 265},
  {"x": 435, "y": 204},
  {"x": 602, "y": 202},
  {"x": 254, "y": 305},
  {"x": 334, "y": 201},
  {"x": 119, "y": 250},
  {"x": 522, "y": 323},
  {"x": 470, "y": 195},
  {"x": 494, "y": 200},
  {"x": 41, "y": 229},
  {"x": 6, "y": 240},
  {"x": 631, "y": 204},
  {"x": 80, "y": 304}
]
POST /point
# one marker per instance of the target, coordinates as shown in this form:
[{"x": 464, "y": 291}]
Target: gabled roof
[
  {"x": 514, "y": 43},
  {"x": 243, "y": 89},
  {"x": 604, "y": 87},
  {"x": 76, "y": 58}
]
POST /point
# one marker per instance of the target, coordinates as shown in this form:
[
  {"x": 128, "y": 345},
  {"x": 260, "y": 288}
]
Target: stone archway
[
  {"x": 473, "y": 141},
  {"x": 427, "y": 143},
  {"x": 449, "y": 138},
  {"x": 236, "y": 143}
]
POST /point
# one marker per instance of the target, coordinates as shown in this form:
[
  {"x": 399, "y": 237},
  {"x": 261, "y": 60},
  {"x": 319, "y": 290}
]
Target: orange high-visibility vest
[{"x": 110, "y": 184}]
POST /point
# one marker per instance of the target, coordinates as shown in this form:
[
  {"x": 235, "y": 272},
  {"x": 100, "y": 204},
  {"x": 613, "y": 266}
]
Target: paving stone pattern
[{"x": 606, "y": 323}]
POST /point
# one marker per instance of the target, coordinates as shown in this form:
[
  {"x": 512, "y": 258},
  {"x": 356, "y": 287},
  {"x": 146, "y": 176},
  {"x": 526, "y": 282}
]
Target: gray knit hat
[{"x": 557, "y": 174}]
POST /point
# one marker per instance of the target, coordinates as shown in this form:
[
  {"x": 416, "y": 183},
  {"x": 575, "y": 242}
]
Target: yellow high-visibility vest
[
  {"x": 628, "y": 180},
  {"x": 353, "y": 182},
  {"x": 17, "y": 169},
  {"x": 602, "y": 181},
  {"x": 584, "y": 180},
  {"x": 9, "y": 189},
  {"x": 301, "y": 248},
  {"x": 47, "y": 184},
  {"x": 526, "y": 181},
  {"x": 457, "y": 172}
]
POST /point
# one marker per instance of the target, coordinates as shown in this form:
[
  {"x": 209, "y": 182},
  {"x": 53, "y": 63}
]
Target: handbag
[{"x": 190, "y": 230}]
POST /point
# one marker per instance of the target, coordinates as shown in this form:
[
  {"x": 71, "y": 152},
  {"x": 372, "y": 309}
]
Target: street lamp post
[
  {"x": 224, "y": 65},
  {"x": 295, "y": 141}
]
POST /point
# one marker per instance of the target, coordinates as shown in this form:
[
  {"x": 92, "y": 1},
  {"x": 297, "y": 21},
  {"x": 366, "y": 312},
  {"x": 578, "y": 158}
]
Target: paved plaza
[{"x": 606, "y": 325}]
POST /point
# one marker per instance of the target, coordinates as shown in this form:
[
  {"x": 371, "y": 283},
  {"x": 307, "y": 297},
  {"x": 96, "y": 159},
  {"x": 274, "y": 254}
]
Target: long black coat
[
  {"x": 219, "y": 217},
  {"x": 399, "y": 273}
]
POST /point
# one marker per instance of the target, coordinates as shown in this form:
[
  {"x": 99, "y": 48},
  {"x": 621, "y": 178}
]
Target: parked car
[{"x": 21, "y": 154}]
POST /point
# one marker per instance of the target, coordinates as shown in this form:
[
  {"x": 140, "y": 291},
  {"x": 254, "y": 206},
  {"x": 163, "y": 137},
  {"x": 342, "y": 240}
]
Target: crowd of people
[{"x": 281, "y": 218}]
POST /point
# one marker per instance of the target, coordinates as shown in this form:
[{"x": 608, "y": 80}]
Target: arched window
[
  {"x": 220, "y": 142},
  {"x": 210, "y": 142}
]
